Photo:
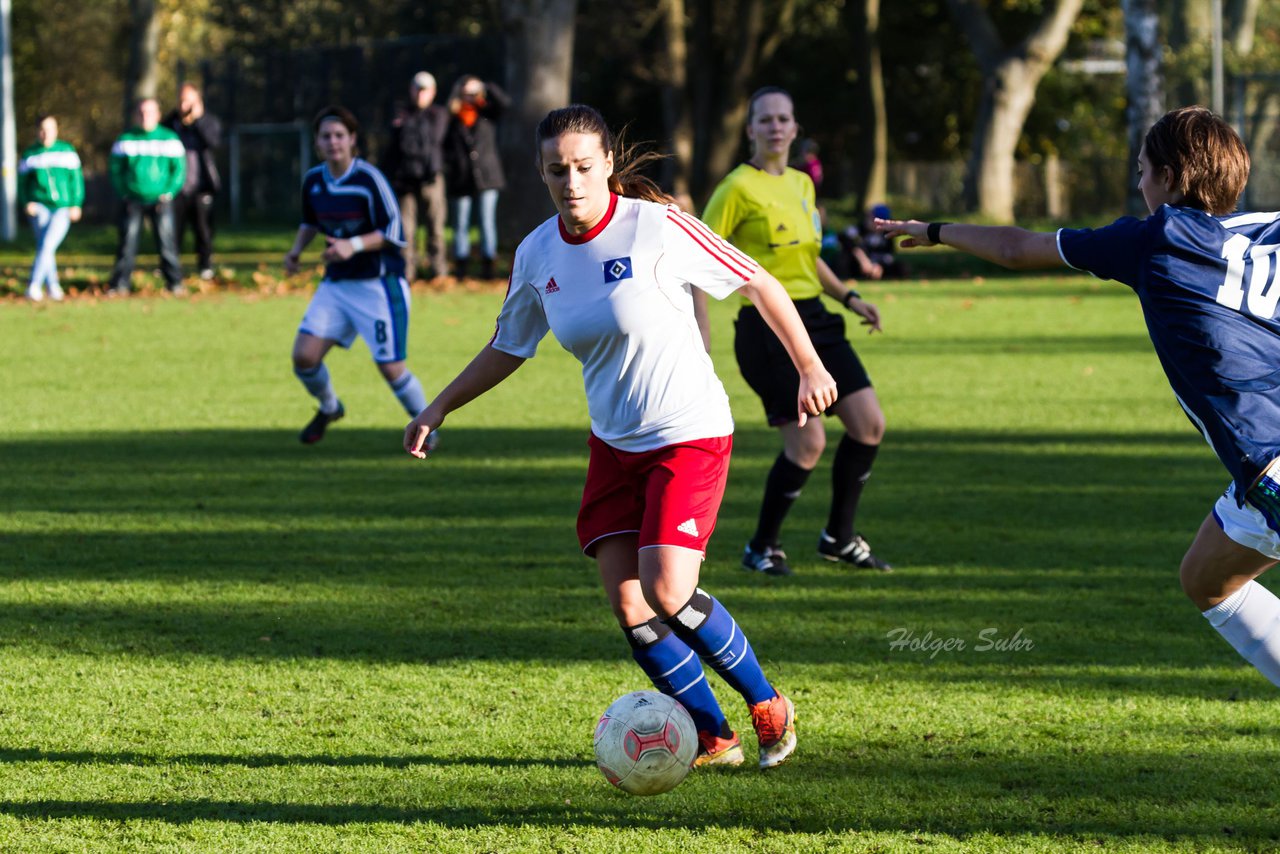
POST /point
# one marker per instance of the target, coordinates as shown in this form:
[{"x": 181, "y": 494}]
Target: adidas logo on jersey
[
  {"x": 552, "y": 287},
  {"x": 688, "y": 526}
]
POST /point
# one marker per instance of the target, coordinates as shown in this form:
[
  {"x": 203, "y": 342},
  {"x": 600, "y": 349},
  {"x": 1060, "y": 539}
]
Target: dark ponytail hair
[{"x": 626, "y": 179}]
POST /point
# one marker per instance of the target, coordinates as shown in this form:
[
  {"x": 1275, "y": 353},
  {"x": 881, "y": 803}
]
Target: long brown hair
[{"x": 628, "y": 162}]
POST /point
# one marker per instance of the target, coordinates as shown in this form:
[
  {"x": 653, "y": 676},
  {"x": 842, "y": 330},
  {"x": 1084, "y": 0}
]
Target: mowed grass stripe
[{"x": 216, "y": 639}]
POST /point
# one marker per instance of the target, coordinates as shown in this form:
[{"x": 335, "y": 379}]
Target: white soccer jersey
[{"x": 619, "y": 299}]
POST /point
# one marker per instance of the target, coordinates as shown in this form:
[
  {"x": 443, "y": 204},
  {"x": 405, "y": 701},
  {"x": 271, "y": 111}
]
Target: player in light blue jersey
[
  {"x": 363, "y": 292},
  {"x": 1206, "y": 279}
]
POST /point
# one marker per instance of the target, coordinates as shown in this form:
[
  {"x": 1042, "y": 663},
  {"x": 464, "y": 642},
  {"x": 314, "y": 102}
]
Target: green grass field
[{"x": 215, "y": 639}]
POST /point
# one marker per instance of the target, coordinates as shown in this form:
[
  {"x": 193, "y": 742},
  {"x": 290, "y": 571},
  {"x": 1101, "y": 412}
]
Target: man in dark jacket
[
  {"x": 201, "y": 135},
  {"x": 414, "y": 164}
]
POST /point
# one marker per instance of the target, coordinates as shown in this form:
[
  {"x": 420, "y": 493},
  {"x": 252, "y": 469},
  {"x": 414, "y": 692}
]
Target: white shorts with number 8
[{"x": 375, "y": 309}]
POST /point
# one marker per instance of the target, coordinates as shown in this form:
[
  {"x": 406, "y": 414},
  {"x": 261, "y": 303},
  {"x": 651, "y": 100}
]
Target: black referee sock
[
  {"x": 849, "y": 475},
  {"x": 781, "y": 489}
]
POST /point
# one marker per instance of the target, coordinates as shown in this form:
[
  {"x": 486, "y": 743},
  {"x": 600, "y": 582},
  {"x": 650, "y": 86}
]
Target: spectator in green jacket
[
  {"x": 148, "y": 165},
  {"x": 50, "y": 190}
]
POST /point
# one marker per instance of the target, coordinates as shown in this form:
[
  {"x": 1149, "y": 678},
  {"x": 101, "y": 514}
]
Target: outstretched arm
[
  {"x": 817, "y": 388},
  {"x": 1006, "y": 245},
  {"x": 485, "y": 371}
]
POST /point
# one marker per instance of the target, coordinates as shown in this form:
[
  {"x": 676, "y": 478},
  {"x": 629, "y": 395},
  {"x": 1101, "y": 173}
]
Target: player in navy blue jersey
[
  {"x": 363, "y": 292},
  {"x": 1205, "y": 277}
]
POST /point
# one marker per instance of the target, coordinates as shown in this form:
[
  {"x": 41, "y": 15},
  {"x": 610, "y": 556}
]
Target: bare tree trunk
[
  {"x": 725, "y": 130},
  {"x": 872, "y": 144},
  {"x": 1011, "y": 77},
  {"x": 989, "y": 182},
  {"x": 1260, "y": 105},
  {"x": 1241, "y": 24},
  {"x": 144, "y": 42},
  {"x": 1188, "y": 26},
  {"x": 677, "y": 113},
  {"x": 761, "y": 27},
  {"x": 539, "y": 63},
  {"x": 699, "y": 80},
  {"x": 1144, "y": 85}
]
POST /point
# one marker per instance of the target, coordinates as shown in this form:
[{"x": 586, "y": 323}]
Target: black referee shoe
[
  {"x": 857, "y": 552},
  {"x": 770, "y": 560},
  {"x": 314, "y": 431}
]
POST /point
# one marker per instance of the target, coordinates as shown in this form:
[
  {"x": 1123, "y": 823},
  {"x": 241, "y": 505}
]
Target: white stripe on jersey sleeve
[
  {"x": 1057, "y": 239},
  {"x": 313, "y": 170},
  {"x": 715, "y": 246},
  {"x": 1257, "y": 218},
  {"x": 711, "y": 234},
  {"x": 395, "y": 231}
]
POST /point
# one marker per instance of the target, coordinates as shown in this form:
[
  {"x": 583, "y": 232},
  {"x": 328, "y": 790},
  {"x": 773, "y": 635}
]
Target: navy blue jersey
[
  {"x": 1208, "y": 290},
  {"x": 358, "y": 202}
]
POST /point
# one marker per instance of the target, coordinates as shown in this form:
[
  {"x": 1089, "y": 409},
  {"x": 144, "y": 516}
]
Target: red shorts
[{"x": 669, "y": 496}]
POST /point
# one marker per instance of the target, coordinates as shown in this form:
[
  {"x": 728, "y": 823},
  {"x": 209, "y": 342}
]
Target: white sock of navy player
[
  {"x": 410, "y": 394},
  {"x": 1250, "y": 621},
  {"x": 316, "y": 382}
]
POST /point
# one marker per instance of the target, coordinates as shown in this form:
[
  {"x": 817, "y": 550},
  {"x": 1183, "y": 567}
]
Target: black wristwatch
[{"x": 852, "y": 294}]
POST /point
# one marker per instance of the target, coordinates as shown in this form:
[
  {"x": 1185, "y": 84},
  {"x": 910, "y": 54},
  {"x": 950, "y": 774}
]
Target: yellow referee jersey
[{"x": 774, "y": 219}]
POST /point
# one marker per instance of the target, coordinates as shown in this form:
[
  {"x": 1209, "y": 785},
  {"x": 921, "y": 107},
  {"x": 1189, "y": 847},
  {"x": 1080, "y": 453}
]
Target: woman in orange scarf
[{"x": 473, "y": 168}]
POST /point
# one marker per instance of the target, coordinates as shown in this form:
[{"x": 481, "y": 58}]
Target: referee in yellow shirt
[{"x": 769, "y": 211}]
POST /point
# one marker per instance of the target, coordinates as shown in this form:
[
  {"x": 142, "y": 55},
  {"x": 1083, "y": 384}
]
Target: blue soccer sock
[
  {"x": 676, "y": 671},
  {"x": 409, "y": 392},
  {"x": 316, "y": 382},
  {"x": 710, "y": 630}
]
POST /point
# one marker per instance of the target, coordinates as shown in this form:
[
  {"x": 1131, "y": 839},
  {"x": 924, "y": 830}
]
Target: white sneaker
[
  {"x": 55, "y": 293},
  {"x": 34, "y": 294}
]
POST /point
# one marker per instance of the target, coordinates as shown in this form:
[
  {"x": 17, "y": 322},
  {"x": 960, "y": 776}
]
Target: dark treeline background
[{"x": 879, "y": 87}]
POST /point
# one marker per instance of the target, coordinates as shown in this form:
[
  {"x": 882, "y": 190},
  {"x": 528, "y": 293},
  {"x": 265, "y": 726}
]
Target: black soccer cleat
[
  {"x": 770, "y": 560},
  {"x": 314, "y": 431},
  {"x": 857, "y": 552}
]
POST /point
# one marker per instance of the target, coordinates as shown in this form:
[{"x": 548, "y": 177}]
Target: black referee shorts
[{"x": 767, "y": 368}]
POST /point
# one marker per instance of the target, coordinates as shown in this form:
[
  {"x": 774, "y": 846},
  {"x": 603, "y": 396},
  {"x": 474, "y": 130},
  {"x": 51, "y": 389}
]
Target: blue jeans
[
  {"x": 161, "y": 215},
  {"x": 488, "y": 224},
  {"x": 51, "y": 227}
]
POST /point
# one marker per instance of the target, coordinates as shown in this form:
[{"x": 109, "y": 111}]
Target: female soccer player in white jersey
[
  {"x": 612, "y": 276},
  {"x": 1205, "y": 277},
  {"x": 363, "y": 291},
  {"x": 768, "y": 211}
]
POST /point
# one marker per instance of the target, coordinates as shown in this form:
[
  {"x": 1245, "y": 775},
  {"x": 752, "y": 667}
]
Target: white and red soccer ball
[{"x": 645, "y": 743}]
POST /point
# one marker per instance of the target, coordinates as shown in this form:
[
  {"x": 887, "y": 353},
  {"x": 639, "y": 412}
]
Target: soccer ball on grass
[{"x": 645, "y": 743}]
